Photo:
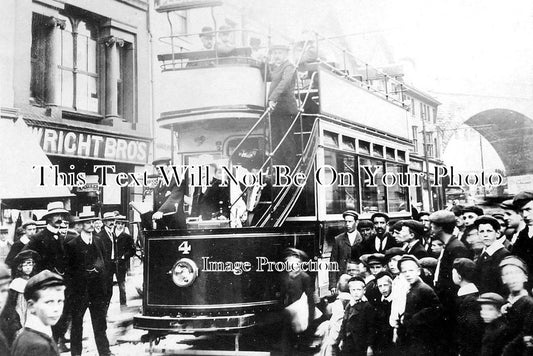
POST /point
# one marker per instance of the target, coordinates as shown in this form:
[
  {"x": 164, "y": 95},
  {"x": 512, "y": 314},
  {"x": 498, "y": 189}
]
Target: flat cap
[
  {"x": 507, "y": 204},
  {"x": 514, "y": 261},
  {"x": 522, "y": 198},
  {"x": 5, "y": 276},
  {"x": 207, "y": 31},
  {"x": 497, "y": 216},
  {"x": 406, "y": 258},
  {"x": 40, "y": 281},
  {"x": 393, "y": 251},
  {"x": 466, "y": 268},
  {"x": 487, "y": 219},
  {"x": 415, "y": 226},
  {"x": 379, "y": 214},
  {"x": 473, "y": 209},
  {"x": 25, "y": 255},
  {"x": 442, "y": 217},
  {"x": 364, "y": 224},
  {"x": 291, "y": 251},
  {"x": 350, "y": 213},
  {"x": 28, "y": 223},
  {"x": 423, "y": 213},
  {"x": 357, "y": 279},
  {"x": 491, "y": 298},
  {"x": 373, "y": 258}
]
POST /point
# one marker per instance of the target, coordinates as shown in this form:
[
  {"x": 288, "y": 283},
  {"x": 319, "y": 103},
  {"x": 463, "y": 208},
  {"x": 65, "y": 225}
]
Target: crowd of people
[
  {"x": 56, "y": 272},
  {"x": 451, "y": 282}
]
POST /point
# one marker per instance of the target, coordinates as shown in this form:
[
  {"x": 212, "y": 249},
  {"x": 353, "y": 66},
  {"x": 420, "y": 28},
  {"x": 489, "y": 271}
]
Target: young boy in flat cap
[
  {"x": 420, "y": 326},
  {"x": 45, "y": 293},
  {"x": 358, "y": 327},
  {"x": 496, "y": 334},
  {"x": 469, "y": 328}
]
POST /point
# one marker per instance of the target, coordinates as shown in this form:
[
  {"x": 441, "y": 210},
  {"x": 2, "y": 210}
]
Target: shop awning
[{"x": 19, "y": 180}]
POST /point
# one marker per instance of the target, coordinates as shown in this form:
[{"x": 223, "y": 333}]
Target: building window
[
  {"x": 429, "y": 144},
  {"x": 372, "y": 197},
  {"x": 39, "y": 45},
  {"x": 342, "y": 194},
  {"x": 396, "y": 195},
  {"x": 78, "y": 66},
  {"x": 125, "y": 82},
  {"x": 415, "y": 139}
]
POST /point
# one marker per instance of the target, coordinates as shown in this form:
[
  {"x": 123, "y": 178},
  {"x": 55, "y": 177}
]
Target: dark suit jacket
[
  {"x": 469, "y": 325},
  {"x": 77, "y": 277},
  {"x": 210, "y": 202},
  {"x": 107, "y": 243},
  {"x": 358, "y": 330},
  {"x": 50, "y": 250},
  {"x": 370, "y": 244},
  {"x": 282, "y": 88},
  {"x": 454, "y": 249},
  {"x": 166, "y": 197},
  {"x": 417, "y": 250},
  {"x": 341, "y": 252},
  {"x": 125, "y": 246},
  {"x": 523, "y": 248},
  {"x": 488, "y": 272},
  {"x": 34, "y": 343}
]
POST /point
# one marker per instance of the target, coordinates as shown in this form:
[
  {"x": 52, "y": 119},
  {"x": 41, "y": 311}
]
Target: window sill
[{"x": 81, "y": 115}]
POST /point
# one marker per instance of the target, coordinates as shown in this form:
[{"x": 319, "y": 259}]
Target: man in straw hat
[{"x": 87, "y": 281}]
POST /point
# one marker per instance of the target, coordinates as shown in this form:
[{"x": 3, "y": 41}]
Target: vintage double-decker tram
[{"x": 350, "y": 122}]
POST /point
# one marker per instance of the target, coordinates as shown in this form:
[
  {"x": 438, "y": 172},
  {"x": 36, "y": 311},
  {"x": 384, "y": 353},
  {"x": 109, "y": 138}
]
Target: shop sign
[{"x": 86, "y": 145}]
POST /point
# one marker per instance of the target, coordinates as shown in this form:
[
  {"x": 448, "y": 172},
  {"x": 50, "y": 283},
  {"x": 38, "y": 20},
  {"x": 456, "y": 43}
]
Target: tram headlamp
[{"x": 184, "y": 272}]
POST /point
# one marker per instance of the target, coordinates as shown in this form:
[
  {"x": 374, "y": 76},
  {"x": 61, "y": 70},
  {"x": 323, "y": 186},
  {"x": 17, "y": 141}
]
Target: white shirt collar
[
  {"x": 34, "y": 323},
  {"x": 53, "y": 230},
  {"x": 24, "y": 239},
  {"x": 86, "y": 237},
  {"x": 352, "y": 236},
  {"x": 496, "y": 245},
  {"x": 467, "y": 289}
]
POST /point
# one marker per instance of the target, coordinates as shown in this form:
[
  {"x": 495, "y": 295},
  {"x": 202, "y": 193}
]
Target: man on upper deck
[{"x": 282, "y": 102}]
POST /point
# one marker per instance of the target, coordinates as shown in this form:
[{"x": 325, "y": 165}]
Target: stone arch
[{"x": 511, "y": 135}]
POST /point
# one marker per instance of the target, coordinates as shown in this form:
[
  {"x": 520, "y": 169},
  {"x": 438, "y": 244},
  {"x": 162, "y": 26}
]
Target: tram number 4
[{"x": 185, "y": 247}]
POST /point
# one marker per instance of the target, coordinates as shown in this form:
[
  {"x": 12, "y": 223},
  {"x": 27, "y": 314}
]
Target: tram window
[
  {"x": 396, "y": 195},
  {"x": 401, "y": 156},
  {"x": 331, "y": 139},
  {"x": 377, "y": 150},
  {"x": 364, "y": 147},
  {"x": 342, "y": 194},
  {"x": 372, "y": 197},
  {"x": 390, "y": 153},
  {"x": 348, "y": 143}
]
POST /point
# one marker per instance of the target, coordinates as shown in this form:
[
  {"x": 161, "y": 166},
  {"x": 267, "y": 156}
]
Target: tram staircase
[{"x": 285, "y": 198}]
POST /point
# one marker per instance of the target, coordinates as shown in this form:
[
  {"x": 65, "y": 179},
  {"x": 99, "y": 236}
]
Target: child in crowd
[
  {"x": 15, "y": 312},
  {"x": 45, "y": 294},
  {"x": 357, "y": 332},
  {"x": 496, "y": 334},
  {"x": 469, "y": 329}
]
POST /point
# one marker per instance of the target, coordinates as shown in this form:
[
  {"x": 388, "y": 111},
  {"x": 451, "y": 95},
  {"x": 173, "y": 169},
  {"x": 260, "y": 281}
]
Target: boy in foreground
[{"x": 45, "y": 293}]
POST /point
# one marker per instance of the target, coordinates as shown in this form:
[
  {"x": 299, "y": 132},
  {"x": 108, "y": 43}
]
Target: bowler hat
[
  {"x": 473, "y": 209},
  {"x": 442, "y": 217},
  {"x": 55, "y": 207},
  {"x": 40, "y": 281},
  {"x": 350, "y": 213},
  {"x": 523, "y": 198},
  {"x": 491, "y": 298},
  {"x": 514, "y": 261}
]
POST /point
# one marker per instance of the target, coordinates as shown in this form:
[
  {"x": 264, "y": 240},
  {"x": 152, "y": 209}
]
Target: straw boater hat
[
  {"x": 110, "y": 215},
  {"x": 86, "y": 216},
  {"x": 55, "y": 207}
]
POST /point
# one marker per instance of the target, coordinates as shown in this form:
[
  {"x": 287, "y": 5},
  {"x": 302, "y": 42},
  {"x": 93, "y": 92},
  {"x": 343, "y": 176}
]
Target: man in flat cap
[
  {"x": 513, "y": 221},
  {"x": 346, "y": 246},
  {"x": 407, "y": 234},
  {"x": 382, "y": 240},
  {"x": 425, "y": 238},
  {"x": 5, "y": 278},
  {"x": 470, "y": 213},
  {"x": 282, "y": 103},
  {"x": 45, "y": 293},
  {"x": 523, "y": 246},
  {"x": 487, "y": 265},
  {"x": 442, "y": 227},
  {"x": 497, "y": 331},
  {"x": 30, "y": 229}
]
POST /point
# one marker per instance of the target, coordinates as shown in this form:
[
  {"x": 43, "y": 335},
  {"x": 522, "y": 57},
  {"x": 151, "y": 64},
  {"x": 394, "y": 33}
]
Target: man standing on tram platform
[
  {"x": 168, "y": 210},
  {"x": 282, "y": 102}
]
